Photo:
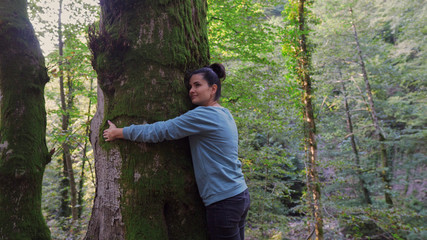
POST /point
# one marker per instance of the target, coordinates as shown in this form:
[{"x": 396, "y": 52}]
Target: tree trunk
[
  {"x": 23, "y": 151},
  {"x": 64, "y": 210},
  {"x": 66, "y": 105},
  {"x": 142, "y": 50},
  {"x": 362, "y": 183},
  {"x": 313, "y": 183},
  {"x": 385, "y": 172},
  {"x": 64, "y": 185}
]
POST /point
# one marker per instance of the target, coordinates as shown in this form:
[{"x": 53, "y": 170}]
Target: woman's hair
[{"x": 213, "y": 75}]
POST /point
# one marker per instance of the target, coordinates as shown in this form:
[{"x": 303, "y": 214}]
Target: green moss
[
  {"x": 22, "y": 127},
  {"x": 141, "y": 59},
  {"x": 160, "y": 194}
]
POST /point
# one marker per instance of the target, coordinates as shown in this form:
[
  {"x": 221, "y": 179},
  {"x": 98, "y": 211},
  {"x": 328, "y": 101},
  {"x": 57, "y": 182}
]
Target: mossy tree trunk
[
  {"x": 23, "y": 151},
  {"x": 304, "y": 65},
  {"x": 297, "y": 51},
  {"x": 142, "y": 50}
]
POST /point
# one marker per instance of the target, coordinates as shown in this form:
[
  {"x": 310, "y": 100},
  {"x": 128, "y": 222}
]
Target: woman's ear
[{"x": 214, "y": 88}]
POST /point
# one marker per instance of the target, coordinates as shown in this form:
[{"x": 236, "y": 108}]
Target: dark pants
[{"x": 226, "y": 218}]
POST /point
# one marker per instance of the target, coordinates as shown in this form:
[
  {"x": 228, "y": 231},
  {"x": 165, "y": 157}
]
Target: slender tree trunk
[
  {"x": 67, "y": 149},
  {"x": 385, "y": 172},
  {"x": 73, "y": 191},
  {"x": 66, "y": 105},
  {"x": 362, "y": 183},
  {"x": 142, "y": 50},
  {"x": 65, "y": 209},
  {"x": 23, "y": 151},
  {"x": 80, "y": 191},
  {"x": 313, "y": 183}
]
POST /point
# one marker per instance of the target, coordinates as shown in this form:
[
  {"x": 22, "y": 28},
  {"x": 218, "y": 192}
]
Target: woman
[{"x": 213, "y": 140}]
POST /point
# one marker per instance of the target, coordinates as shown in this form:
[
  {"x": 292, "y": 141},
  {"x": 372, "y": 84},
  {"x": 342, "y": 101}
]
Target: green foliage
[
  {"x": 292, "y": 38},
  {"x": 80, "y": 80},
  {"x": 267, "y": 130},
  {"x": 241, "y": 30},
  {"x": 245, "y": 35},
  {"x": 379, "y": 223},
  {"x": 382, "y": 34}
]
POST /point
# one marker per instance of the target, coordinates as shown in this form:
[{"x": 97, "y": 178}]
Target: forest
[{"x": 329, "y": 98}]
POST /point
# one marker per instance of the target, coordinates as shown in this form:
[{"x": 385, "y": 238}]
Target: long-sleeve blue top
[{"x": 213, "y": 140}]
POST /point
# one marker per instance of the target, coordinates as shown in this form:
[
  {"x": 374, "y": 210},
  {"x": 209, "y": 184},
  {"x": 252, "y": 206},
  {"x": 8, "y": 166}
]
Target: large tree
[
  {"x": 23, "y": 151},
  {"x": 298, "y": 52},
  {"x": 142, "y": 50}
]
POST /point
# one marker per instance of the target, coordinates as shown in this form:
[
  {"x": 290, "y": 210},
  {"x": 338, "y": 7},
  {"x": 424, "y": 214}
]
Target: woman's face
[{"x": 201, "y": 93}]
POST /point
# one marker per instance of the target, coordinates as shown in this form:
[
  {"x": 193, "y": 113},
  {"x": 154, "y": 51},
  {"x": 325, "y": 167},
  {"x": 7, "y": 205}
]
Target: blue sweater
[{"x": 214, "y": 146}]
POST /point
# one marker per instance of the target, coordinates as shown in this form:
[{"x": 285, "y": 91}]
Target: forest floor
[{"x": 298, "y": 230}]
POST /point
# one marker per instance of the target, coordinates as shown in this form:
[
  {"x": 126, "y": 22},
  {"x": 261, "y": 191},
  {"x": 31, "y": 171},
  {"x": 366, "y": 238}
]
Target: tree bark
[
  {"x": 142, "y": 50},
  {"x": 385, "y": 172},
  {"x": 23, "y": 151},
  {"x": 313, "y": 183}
]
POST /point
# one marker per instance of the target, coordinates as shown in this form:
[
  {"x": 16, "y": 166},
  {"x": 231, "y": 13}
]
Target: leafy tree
[
  {"x": 68, "y": 120},
  {"x": 362, "y": 182},
  {"x": 245, "y": 35},
  {"x": 24, "y": 153},
  {"x": 337, "y": 66},
  {"x": 378, "y": 132},
  {"x": 298, "y": 52},
  {"x": 67, "y": 103}
]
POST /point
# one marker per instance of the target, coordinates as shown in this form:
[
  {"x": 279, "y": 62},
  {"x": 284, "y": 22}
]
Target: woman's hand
[{"x": 112, "y": 133}]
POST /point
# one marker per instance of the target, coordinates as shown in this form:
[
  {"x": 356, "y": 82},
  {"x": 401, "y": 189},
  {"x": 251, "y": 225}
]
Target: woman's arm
[
  {"x": 190, "y": 123},
  {"x": 113, "y": 133}
]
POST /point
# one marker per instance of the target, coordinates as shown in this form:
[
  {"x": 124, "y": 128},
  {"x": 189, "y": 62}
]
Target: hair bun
[{"x": 219, "y": 69}]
